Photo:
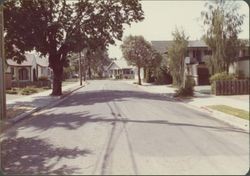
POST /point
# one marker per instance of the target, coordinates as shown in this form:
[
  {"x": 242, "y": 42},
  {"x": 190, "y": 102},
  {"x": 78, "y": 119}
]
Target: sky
[{"x": 162, "y": 17}]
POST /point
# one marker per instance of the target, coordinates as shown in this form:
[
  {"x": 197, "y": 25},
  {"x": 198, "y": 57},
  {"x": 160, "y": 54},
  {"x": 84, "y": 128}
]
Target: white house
[
  {"x": 30, "y": 70},
  {"x": 243, "y": 63},
  {"x": 197, "y": 49},
  {"x": 119, "y": 69}
]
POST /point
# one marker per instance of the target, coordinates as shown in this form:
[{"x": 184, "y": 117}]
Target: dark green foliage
[
  {"x": 148, "y": 75},
  {"x": 28, "y": 91},
  {"x": 163, "y": 76},
  {"x": 222, "y": 22},
  {"x": 12, "y": 91},
  {"x": 220, "y": 76},
  {"x": 56, "y": 28},
  {"x": 177, "y": 53},
  {"x": 139, "y": 52},
  {"x": 188, "y": 90}
]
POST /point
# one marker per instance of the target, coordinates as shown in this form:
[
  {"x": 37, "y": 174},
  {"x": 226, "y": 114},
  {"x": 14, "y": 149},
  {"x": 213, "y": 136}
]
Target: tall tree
[
  {"x": 138, "y": 52},
  {"x": 150, "y": 70},
  {"x": 56, "y": 28},
  {"x": 96, "y": 60},
  {"x": 222, "y": 24},
  {"x": 176, "y": 54}
]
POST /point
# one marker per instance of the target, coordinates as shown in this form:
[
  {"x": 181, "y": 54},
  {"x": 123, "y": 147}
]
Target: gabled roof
[
  {"x": 197, "y": 44},
  {"x": 42, "y": 61},
  {"x": 121, "y": 64},
  {"x": 163, "y": 46},
  {"x": 31, "y": 59},
  {"x": 26, "y": 63}
]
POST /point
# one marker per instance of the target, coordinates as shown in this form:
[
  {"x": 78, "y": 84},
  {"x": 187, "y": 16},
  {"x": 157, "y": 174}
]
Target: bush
[
  {"x": 163, "y": 78},
  {"x": 188, "y": 90},
  {"x": 220, "y": 76},
  {"x": 12, "y": 91},
  {"x": 28, "y": 91},
  {"x": 43, "y": 78}
]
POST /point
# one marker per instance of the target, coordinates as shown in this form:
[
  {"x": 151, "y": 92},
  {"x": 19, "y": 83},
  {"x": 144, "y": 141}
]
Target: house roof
[
  {"x": 42, "y": 61},
  {"x": 197, "y": 43},
  {"x": 26, "y": 63},
  {"x": 162, "y": 46},
  {"x": 31, "y": 59},
  {"x": 121, "y": 64}
]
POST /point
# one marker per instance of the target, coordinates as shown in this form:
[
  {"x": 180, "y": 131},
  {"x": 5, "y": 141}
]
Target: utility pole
[
  {"x": 2, "y": 65},
  {"x": 80, "y": 68}
]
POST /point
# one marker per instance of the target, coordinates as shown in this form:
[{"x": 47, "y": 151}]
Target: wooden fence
[{"x": 232, "y": 87}]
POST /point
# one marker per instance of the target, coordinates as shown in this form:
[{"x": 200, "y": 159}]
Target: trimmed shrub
[
  {"x": 220, "y": 76},
  {"x": 12, "y": 91},
  {"x": 28, "y": 91},
  {"x": 188, "y": 90}
]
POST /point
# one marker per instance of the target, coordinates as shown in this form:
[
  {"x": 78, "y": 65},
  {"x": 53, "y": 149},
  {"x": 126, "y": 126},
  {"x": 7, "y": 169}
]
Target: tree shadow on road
[
  {"x": 31, "y": 156},
  {"x": 94, "y": 97}
]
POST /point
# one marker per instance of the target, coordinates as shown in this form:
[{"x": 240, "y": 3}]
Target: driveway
[{"x": 110, "y": 127}]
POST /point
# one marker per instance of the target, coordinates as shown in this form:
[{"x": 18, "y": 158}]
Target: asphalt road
[{"x": 110, "y": 127}]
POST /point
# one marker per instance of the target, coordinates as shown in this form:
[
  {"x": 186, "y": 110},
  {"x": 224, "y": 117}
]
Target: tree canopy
[
  {"x": 139, "y": 52},
  {"x": 222, "y": 24},
  {"x": 176, "y": 55},
  {"x": 58, "y": 27}
]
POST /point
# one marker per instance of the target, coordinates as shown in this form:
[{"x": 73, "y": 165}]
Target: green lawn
[{"x": 232, "y": 111}]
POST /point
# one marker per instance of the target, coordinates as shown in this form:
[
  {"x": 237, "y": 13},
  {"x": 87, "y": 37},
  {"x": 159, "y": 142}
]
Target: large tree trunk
[
  {"x": 57, "y": 67},
  {"x": 56, "y": 62},
  {"x": 57, "y": 80},
  {"x": 139, "y": 75}
]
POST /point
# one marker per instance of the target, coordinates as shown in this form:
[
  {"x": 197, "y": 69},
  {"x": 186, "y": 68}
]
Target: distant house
[
  {"x": 196, "y": 67},
  {"x": 30, "y": 70},
  {"x": 241, "y": 66},
  {"x": 119, "y": 69}
]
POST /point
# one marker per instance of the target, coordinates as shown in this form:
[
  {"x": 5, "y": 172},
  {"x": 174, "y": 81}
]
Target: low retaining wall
[{"x": 232, "y": 87}]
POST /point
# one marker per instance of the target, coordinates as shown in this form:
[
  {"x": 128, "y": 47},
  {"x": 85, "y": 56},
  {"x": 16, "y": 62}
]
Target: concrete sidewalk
[
  {"x": 201, "y": 101},
  {"x": 39, "y": 101}
]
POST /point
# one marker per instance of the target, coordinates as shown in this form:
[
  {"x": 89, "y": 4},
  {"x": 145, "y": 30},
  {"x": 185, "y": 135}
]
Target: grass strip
[{"x": 232, "y": 111}]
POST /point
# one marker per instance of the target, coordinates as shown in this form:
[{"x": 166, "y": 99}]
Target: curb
[
  {"x": 231, "y": 120},
  {"x": 22, "y": 116}
]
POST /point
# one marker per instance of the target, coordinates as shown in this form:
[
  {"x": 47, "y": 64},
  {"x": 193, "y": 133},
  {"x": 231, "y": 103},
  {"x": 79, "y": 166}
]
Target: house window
[{"x": 23, "y": 74}]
